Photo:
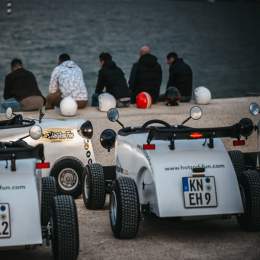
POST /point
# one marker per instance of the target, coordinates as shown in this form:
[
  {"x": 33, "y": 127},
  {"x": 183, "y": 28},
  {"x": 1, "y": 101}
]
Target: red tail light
[
  {"x": 42, "y": 165},
  {"x": 196, "y": 135},
  {"x": 149, "y": 146},
  {"x": 239, "y": 142}
]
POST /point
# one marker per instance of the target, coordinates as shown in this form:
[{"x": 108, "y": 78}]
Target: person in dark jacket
[
  {"x": 21, "y": 91},
  {"x": 111, "y": 79},
  {"x": 146, "y": 75},
  {"x": 180, "y": 76}
]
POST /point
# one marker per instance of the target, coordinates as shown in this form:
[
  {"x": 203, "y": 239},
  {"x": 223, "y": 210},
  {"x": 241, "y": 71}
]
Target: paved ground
[{"x": 161, "y": 239}]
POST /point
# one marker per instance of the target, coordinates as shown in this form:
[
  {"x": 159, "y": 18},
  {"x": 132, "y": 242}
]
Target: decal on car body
[{"x": 58, "y": 134}]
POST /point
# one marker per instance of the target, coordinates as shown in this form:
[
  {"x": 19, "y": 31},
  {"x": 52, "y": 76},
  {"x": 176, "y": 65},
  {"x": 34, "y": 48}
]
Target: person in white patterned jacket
[{"x": 67, "y": 80}]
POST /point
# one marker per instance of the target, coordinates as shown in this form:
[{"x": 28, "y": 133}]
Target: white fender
[
  {"x": 19, "y": 190},
  {"x": 162, "y": 169}
]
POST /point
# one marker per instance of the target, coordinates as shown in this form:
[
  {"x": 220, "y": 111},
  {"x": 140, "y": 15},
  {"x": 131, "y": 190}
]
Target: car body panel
[
  {"x": 60, "y": 138},
  {"x": 20, "y": 190},
  {"x": 158, "y": 174}
]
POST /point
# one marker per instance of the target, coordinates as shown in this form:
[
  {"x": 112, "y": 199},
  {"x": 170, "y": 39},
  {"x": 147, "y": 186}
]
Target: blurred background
[{"x": 219, "y": 39}]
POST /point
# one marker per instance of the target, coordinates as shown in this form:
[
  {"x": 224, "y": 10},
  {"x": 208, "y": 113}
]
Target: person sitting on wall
[
  {"x": 67, "y": 80},
  {"x": 21, "y": 91},
  {"x": 180, "y": 76},
  {"x": 111, "y": 78},
  {"x": 146, "y": 75}
]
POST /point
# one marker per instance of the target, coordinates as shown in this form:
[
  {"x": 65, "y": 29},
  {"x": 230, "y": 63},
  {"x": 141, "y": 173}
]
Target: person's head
[
  {"x": 171, "y": 57},
  {"x": 144, "y": 50},
  {"x": 104, "y": 58},
  {"x": 16, "y": 64},
  {"x": 63, "y": 57}
]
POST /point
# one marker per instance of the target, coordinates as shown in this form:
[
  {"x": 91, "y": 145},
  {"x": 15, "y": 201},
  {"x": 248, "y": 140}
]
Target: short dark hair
[
  {"x": 64, "y": 57},
  {"x": 16, "y": 62},
  {"x": 105, "y": 56},
  {"x": 172, "y": 55}
]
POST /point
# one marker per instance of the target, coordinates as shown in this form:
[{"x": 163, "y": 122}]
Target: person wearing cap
[
  {"x": 180, "y": 76},
  {"x": 111, "y": 79},
  {"x": 146, "y": 75},
  {"x": 67, "y": 80},
  {"x": 21, "y": 91}
]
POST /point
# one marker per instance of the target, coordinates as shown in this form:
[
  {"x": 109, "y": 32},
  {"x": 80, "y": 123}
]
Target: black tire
[
  {"x": 250, "y": 193},
  {"x": 64, "y": 229},
  {"x": 125, "y": 216},
  {"x": 238, "y": 161},
  {"x": 94, "y": 189},
  {"x": 49, "y": 191},
  {"x": 71, "y": 168}
]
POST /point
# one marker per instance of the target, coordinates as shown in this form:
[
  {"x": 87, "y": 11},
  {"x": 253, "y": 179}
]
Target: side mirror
[
  {"x": 35, "y": 132},
  {"x": 113, "y": 114},
  {"x": 254, "y": 109},
  {"x": 86, "y": 129},
  {"x": 9, "y": 113},
  {"x": 108, "y": 139},
  {"x": 195, "y": 113}
]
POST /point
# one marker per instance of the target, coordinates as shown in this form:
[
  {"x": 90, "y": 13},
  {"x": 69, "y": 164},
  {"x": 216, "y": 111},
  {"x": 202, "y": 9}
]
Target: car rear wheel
[
  {"x": 68, "y": 173},
  {"x": 238, "y": 162},
  {"x": 94, "y": 192},
  {"x": 49, "y": 191},
  {"x": 64, "y": 228},
  {"x": 124, "y": 208},
  {"x": 250, "y": 193}
]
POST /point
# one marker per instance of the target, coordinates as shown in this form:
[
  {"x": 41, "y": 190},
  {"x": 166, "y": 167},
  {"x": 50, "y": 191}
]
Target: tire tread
[
  {"x": 129, "y": 208},
  {"x": 97, "y": 190},
  {"x": 65, "y": 240},
  {"x": 250, "y": 220}
]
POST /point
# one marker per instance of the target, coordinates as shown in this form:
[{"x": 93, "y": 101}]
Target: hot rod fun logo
[{"x": 58, "y": 134}]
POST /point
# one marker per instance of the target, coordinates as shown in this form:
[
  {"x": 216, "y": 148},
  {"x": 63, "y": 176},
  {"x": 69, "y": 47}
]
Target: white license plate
[
  {"x": 5, "y": 228},
  {"x": 199, "y": 192}
]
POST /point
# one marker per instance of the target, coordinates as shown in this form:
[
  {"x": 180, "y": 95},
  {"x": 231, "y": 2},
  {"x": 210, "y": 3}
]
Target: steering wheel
[{"x": 155, "y": 121}]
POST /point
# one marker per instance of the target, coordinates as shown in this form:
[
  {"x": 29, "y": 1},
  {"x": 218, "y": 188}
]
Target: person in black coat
[
  {"x": 180, "y": 76},
  {"x": 21, "y": 91},
  {"x": 111, "y": 78},
  {"x": 146, "y": 75}
]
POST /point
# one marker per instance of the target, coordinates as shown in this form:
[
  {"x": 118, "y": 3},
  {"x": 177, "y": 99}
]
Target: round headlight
[
  {"x": 86, "y": 129},
  {"x": 108, "y": 139},
  {"x": 35, "y": 132},
  {"x": 246, "y": 127}
]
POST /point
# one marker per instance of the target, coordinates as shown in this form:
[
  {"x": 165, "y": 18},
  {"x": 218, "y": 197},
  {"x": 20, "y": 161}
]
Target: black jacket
[
  {"x": 180, "y": 76},
  {"x": 112, "y": 77},
  {"x": 21, "y": 84},
  {"x": 146, "y": 75}
]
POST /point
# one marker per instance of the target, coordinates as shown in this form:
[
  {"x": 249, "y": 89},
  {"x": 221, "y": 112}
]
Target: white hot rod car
[
  {"x": 67, "y": 143},
  {"x": 31, "y": 212},
  {"x": 175, "y": 171}
]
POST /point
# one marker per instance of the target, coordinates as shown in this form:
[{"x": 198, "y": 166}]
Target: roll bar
[{"x": 243, "y": 128}]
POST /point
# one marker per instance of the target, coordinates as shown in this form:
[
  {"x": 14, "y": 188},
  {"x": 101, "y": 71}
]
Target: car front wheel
[
  {"x": 49, "y": 191},
  {"x": 250, "y": 193},
  {"x": 124, "y": 208},
  {"x": 94, "y": 192},
  {"x": 64, "y": 228}
]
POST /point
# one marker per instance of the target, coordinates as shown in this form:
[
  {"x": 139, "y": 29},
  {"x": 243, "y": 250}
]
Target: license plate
[
  {"x": 199, "y": 192},
  {"x": 5, "y": 228}
]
